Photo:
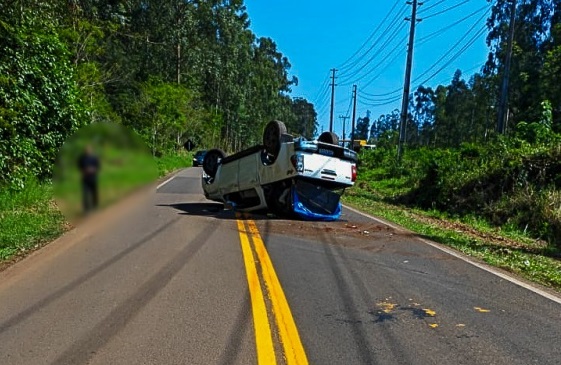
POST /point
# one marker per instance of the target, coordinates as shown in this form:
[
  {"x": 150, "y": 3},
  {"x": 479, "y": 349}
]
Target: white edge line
[
  {"x": 165, "y": 182},
  {"x": 462, "y": 257}
]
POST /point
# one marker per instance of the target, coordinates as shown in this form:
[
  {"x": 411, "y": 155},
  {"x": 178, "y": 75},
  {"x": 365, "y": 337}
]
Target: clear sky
[{"x": 317, "y": 36}]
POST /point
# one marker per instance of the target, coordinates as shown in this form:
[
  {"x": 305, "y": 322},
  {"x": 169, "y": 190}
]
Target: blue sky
[{"x": 317, "y": 36}]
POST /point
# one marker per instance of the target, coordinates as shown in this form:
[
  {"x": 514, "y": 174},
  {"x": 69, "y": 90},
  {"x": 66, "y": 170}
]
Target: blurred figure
[{"x": 89, "y": 166}]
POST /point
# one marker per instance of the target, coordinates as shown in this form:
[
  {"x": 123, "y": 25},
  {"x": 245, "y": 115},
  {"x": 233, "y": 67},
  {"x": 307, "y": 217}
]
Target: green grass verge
[
  {"x": 30, "y": 218},
  {"x": 171, "y": 162},
  {"x": 525, "y": 258}
]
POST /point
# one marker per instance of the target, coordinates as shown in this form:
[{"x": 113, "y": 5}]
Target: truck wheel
[
  {"x": 272, "y": 138},
  {"x": 329, "y": 137},
  {"x": 212, "y": 160}
]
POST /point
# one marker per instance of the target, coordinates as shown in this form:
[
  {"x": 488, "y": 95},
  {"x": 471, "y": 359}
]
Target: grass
[
  {"x": 30, "y": 218},
  {"x": 510, "y": 250},
  {"x": 171, "y": 162}
]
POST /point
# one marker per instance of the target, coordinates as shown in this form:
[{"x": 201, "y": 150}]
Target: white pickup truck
[{"x": 285, "y": 174}]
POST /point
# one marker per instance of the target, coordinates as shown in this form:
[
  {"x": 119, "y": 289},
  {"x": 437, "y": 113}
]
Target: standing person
[{"x": 89, "y": 165}]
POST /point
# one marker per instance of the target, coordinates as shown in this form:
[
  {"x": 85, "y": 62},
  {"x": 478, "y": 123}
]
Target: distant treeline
[
  {"x": 170, "y": 70},
  {"x": 466, "y": 109}
]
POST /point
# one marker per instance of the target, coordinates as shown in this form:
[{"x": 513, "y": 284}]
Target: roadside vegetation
[
  {"x": 30, "y": 216},
  {"x": 500, "y": 202}
]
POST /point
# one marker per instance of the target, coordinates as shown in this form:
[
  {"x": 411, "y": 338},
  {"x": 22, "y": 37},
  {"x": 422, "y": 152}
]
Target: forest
[{"x": 169, "y": 70}]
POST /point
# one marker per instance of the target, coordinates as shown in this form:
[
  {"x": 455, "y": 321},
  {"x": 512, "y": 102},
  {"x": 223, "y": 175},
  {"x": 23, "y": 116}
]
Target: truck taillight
[
  {"x": 353, "y": 173},
  {"x": 298, "y": 162}
]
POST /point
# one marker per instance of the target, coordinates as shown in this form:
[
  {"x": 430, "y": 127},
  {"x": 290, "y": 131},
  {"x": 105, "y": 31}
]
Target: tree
[
  {"x": 305, "y": 118},
  {"x": 39, "y": 104},
  {"x": 362, "y": 127},
  {"x": 385, "y": 129},
  {"x": 534, "y": 22},
  {"x": 424, "y": 113}
]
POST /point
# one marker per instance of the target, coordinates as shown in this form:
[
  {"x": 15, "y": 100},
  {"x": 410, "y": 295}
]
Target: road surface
[{"x": 175, "y": 279}]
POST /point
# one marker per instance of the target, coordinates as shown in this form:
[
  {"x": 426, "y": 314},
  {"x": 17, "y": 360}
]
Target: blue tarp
[{"x": 315, "y": 204}]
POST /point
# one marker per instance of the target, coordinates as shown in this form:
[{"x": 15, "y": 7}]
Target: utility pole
[
  {"x": 354, "y": 116},
  {"x": 407, "y": 83},
  {"x": 503, "y": 102},
  {"x": 344, "y": 117},
  {"x": 332, "y": 98}
]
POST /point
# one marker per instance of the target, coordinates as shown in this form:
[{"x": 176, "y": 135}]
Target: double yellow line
[{"x": 293, "y": 350}]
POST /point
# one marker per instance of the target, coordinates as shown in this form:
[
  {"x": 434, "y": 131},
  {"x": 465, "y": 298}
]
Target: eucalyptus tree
[
  {"x": 423, "y": 113},
  {"x": 535, "y": 22},
  {"x": 304, "y": 122}
]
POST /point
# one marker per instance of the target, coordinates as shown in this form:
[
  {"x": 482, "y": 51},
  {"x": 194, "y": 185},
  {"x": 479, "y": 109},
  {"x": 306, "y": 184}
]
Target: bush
[{"x": 507, "y": 182}]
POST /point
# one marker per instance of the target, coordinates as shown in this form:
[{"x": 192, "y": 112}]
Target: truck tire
[
  {"x": 272, "y": 136},
  {"x": 329, "y": 137},
  {"x": 212, "y": 160}
]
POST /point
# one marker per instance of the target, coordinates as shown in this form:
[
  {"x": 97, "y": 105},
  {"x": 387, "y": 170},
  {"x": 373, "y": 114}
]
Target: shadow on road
[{"x": 216, "y": 210}]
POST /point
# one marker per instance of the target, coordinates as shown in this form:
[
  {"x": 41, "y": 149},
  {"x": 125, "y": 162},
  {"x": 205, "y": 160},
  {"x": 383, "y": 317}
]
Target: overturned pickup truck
[{"x": 286, "y": 174}]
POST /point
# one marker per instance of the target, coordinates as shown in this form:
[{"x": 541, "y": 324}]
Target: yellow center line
[
  {"x": 263, "y": 335},
  {"x": 292, "y": 345}
]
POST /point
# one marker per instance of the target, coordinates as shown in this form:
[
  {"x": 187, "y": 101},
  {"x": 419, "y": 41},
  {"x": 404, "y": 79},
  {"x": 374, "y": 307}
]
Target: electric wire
[
  {"x": 422, "y": 10},
  {"x": 349, "y": 108},
  {"x": 445, "y": 10},
  {"x": 371, "y": 35},
  {"x": 322, "y": 89},
  {"x": 388, "y": 30},
  {"x": 470, "y": 30},
  {"x": 377, "y": 100},
  {"x": 375, "y": 104},
  {"x": 352, "y": 78},
  {"x": 459, "y": 53},
  {"x": 384, "y": 94},
  {"x": 393, "y": 51},
  {"x": 322, "y": 96},
  {"x": 366, "y": 99},
  {"x": 428, "y": 37},
  {"x": 381, "y": 72}
]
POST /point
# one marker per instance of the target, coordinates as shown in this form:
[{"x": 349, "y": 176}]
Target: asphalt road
[{"x": 174, "y": 279}]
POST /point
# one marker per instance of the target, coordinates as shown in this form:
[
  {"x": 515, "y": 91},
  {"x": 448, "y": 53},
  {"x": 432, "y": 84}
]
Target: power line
[
  {"x": 388, "y": 64},
  {"x": 470, "y": 30},
  {"x": 376, "y": 100},
  {"x": 371, "y": 104},
  {"x": 430, "y": 7},
  {"x": 385, "y": 94},
  {"x": 350, "y": 105},
  {"x": 442, "y": 30},
  {"x": 459, "y": 53},
  {"x": 445, "y": 10},
  {"x": 371, "y": 35},
  {"x": 399, "y": 43},
  {"x": 342, "y": 102},
  {"x": 390, "y": 28},
  {"x": 322, "y": 87},
  {"x": 372, "y": 100}
]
